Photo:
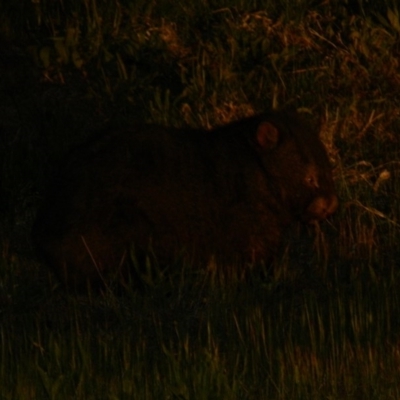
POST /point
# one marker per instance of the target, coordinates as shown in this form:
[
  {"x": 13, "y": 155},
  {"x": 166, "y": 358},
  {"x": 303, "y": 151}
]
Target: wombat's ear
[{"x": 267, "y": 135}]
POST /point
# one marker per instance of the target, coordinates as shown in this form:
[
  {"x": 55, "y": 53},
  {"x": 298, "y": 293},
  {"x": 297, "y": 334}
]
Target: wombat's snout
[{"x": 321, "y": 208}]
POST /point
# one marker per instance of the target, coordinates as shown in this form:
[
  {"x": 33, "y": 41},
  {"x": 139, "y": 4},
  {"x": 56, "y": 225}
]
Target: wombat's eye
[{"x": 312, "y": 182}]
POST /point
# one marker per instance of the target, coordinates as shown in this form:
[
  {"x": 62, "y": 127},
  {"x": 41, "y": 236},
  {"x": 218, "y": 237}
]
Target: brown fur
[{"x": 225, "y": 194}]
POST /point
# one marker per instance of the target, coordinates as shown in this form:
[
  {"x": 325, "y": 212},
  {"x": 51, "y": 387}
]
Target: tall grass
[{"x": 218, "y": 342}]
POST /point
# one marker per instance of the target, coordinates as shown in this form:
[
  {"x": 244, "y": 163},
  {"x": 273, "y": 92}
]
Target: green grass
[
  {"x": 323, "y": 322},
  {"x": 192, "y": 340}
]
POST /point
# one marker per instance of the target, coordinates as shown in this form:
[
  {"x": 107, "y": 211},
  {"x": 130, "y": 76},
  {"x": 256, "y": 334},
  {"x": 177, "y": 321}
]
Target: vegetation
[{"x": 322, "y": 322}]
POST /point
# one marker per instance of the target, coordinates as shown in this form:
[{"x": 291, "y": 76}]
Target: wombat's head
[{"x": 296, "y": 163}]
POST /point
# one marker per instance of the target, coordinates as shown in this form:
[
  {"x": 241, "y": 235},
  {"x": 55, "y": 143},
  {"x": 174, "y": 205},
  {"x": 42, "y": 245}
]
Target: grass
[
  {"x": 221, "y": 341},
  {"x": 323, "y": 323}
]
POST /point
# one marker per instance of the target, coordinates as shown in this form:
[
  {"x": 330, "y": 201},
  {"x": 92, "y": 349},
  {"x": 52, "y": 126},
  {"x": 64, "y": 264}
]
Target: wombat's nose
[
  {"x": 330, "y": 207},
  {"x": 322, "y": 207}
]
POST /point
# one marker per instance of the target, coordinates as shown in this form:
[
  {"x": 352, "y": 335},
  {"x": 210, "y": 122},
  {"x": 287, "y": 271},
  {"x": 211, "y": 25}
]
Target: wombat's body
[{"x": 225, "y": 194}]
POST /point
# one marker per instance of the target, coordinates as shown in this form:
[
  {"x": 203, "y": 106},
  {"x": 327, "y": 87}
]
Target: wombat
[{"x": 224, "y": 194}]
